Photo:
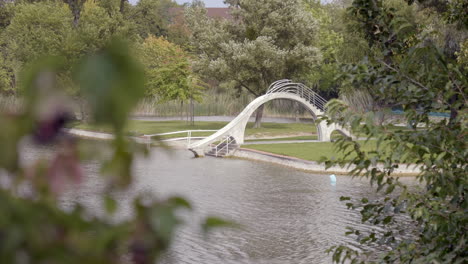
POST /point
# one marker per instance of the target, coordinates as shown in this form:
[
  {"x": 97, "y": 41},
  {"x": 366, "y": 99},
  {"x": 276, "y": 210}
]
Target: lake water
[{"x": 286, "y": 216}]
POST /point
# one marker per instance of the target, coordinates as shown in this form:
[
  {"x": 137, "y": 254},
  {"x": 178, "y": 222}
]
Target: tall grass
[
  {"x": 10, "y": 103},
  {"x": 218, "y": 104},
  {"x": 213, "y": 104}
]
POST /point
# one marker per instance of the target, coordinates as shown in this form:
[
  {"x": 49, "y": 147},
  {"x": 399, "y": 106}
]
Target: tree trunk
[
  {"x": 181, "y": 110},
  {"x": 296, "y": 112},
  {"x": 75, "y": 7},
  {"x": 453, "y": 111},
  {"x": 192, "y": 112},
  {"x": 83, "y": 109},
  {"x": 258, "y": 117},
  {"x": 122, "y": 6}
]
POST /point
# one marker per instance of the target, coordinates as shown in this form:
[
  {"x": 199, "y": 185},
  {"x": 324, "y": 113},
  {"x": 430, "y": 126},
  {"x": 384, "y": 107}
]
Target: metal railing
[
  {"x": 220, "y": 147},
  {"x": 287, "y": 86},
  {"x": 188, "y": 136}
]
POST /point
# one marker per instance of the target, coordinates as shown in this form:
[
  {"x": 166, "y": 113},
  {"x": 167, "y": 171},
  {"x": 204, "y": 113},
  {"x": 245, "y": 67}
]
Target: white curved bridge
[{"x": 232, "y": 135}]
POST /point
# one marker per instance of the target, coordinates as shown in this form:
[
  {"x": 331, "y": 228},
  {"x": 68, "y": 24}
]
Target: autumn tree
[
  {"x": 168, "y": 73},
  {"x": 152, "y": 17},
  {"x": 265, "y": 40}
]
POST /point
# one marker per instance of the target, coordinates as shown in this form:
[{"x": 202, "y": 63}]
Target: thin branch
[
  {"x": 247, "y": 88},
  {"x": 420, "y": 85}
]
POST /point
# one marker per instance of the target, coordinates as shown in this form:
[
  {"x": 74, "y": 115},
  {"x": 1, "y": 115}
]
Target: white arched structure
[{"x": 283, "y": 89}]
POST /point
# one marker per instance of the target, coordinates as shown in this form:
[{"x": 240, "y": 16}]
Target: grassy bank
[
  {"x": 312, "y": 151},
  {"x": 139, "y": 127},
  {"x": 308, "y": 137}
]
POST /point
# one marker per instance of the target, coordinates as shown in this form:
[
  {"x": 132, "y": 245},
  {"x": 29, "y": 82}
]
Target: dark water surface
[{"x": 287, "y": 216}]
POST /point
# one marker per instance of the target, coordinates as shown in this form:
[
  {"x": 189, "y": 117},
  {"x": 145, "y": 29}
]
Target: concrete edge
[{"x": 306, "y": 165}]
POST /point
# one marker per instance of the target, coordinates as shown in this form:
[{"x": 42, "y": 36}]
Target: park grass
[
  {"x": 311, "y": 137},
  {"x": 312, "y": 151},
  {"x": 140, "y": 127}
]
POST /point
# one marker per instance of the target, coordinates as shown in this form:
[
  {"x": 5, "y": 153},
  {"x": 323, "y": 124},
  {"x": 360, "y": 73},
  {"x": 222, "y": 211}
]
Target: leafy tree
[
  {"x": 50, "y": 28},
  {"x": 152, "y": 17},
  {"x": 452, "y": 11},
  {"x": 168, "y": 72},
  {"x": 415, "y": 73},
  {"x": 332, "y": 42},
  {"x": 462, "y": 55},
  {"x": 36, "y": 29},
  {"x": 6, "y": 13},
  {"x": 265, "y": 41},
  {"x": 97, "y": 28},
  {"x": 6, "y": 78},
  {"x": 75, "y": 7}
]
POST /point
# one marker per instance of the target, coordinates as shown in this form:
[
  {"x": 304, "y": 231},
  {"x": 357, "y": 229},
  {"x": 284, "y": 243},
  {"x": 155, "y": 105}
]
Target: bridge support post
[
  {"x": 198, "y": 153},
  {"x": 326, "y": 131}
]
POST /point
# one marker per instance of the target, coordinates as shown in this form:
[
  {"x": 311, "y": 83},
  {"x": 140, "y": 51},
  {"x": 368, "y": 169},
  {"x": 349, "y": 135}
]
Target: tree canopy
[
  {"x": 265, "y": 41},
  {"x": 168, "y": 71}
]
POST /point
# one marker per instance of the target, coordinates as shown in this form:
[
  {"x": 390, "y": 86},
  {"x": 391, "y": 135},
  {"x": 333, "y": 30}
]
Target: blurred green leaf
[
  {"x": 113, "y": 83},
  {"x": 110, "y": 204},
  {"x": 215, "y": 222}
]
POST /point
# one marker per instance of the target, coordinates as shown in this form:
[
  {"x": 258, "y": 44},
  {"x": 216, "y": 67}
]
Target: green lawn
[
  {"x": 312, "y": 137},
  {"x": 138, "y": 127},
  {"x": 308, "y": 151}
]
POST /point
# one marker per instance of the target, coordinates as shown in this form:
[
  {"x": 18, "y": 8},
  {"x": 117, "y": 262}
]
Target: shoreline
[
  {"x": 262, "y": 156},
  {"x": 310, "y": 166}
]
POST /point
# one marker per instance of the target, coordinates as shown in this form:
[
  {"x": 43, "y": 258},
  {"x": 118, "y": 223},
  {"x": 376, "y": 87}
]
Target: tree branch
[
  {"x": 247, "y": 88},
  {"x": 420, "y": 85}
]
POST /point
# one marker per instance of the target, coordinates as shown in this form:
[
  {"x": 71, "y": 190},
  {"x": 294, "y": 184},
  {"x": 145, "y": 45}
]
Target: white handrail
[
  {"x": 177, "y": 132},
  {"x": 228, "y": 140},
  {"x": 287, "y": 86},
  {"x": 188, "y": 137}
]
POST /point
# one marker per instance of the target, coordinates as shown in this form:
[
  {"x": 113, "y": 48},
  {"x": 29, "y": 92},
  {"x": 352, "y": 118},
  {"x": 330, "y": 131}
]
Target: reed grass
[
  {"x": 10, "y": 103},
  {"x": 217, "y": 104},
  {"x": 213, "y": 104}
]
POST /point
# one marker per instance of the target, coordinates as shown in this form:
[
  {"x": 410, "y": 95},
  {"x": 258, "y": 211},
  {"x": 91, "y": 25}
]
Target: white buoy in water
[{"x": 333, "y": 178}]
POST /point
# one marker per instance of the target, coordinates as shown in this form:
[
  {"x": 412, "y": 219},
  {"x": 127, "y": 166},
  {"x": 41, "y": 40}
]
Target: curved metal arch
[
  {"x": 300, "y": 89},
  {"x": 282, "y": 89}
]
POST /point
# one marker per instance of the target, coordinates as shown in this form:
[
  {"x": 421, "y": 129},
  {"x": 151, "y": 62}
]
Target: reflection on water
[{"x": 287, "y": 216}]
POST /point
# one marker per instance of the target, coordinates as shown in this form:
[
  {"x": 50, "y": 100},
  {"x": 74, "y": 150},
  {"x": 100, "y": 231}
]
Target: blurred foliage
[
  {"x": 452, "y": 11},
  {"x": 34, "y": 226},
  {"x": 462, "y": 55},
  {"x": 420, "y": 74}
]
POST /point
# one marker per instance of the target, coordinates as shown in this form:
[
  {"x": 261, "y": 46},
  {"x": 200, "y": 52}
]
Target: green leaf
[
  {"x": 110, "y": 204},
  {"x": 215, "y": 222},
  {"x": 180, "y": 202},
  {"x": 113, "y": 83}
]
